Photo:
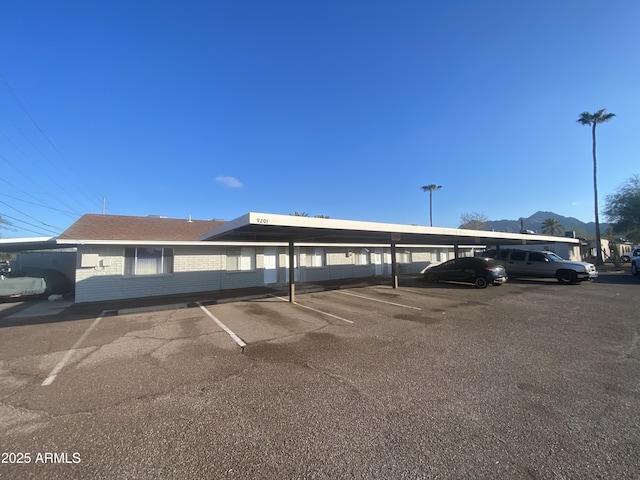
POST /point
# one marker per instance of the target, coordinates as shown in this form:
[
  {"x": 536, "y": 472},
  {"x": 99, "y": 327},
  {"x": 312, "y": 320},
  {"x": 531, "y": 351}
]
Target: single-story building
[{"x": 123, "y": 257}]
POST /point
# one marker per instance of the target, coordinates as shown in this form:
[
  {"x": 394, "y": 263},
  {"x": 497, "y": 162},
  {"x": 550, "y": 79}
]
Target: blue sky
[{"x": 211, "y": 109}]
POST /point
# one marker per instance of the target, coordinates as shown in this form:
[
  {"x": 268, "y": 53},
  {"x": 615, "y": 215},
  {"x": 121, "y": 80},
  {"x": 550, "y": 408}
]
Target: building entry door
[
  {"x": 377, "y": 261},
  {"x": 270, "y": 266}
]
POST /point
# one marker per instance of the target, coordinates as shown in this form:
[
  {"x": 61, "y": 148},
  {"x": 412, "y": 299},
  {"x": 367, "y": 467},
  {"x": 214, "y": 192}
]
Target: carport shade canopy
[{"x": 290, "y": 229}]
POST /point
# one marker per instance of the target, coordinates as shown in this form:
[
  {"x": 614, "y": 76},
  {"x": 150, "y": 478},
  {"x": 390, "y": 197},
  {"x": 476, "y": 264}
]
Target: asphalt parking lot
[{"x": 529, "y": 380}]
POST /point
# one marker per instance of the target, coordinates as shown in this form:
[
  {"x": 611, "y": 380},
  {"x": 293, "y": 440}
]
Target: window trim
[
  {"x": 131, "y": 263},
  {"x": 245, "y": 259},
  {"x": 314, "y": 257}
]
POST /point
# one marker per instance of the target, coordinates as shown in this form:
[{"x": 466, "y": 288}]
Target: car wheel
[
  {"x": 634, "y": 269},
  {"x": 625, "y": 259},
  {"x": 432, "y": 277},
  {"x": 481, "y": 282},
  {"x": 567, "y": 277}
]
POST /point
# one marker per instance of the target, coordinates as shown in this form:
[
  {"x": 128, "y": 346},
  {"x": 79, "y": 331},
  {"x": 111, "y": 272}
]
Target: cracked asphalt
[{"x": 530, "y": 380}]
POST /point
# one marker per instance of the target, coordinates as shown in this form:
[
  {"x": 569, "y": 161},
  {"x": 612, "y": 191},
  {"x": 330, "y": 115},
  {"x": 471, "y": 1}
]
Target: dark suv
[{"x": 479, "y": 271}]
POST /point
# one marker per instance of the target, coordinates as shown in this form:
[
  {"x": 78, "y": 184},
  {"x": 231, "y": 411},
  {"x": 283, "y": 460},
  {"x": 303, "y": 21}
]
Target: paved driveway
[{"x": 528, "y": 380}]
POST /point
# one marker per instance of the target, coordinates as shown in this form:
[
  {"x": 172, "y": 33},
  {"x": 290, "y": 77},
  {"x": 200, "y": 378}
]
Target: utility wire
[
  {"x": 3, "y": 215},
  {"x": 55, "y": 148},
  {"x": 29, "y": 230},
  {"x": 52, "y": 180},
  {"x": 10, "y": 163},
  {"x": 20, "y": 190},
  {"x": 36, "y": 204},
  {"x": 29, "y": 216}
]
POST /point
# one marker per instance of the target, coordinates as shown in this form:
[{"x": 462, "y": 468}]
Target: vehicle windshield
[{"x": 554, "y": 258}]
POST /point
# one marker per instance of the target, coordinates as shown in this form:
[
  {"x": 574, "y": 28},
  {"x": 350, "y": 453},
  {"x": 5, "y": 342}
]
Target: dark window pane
[{"x": 129, "y": 261}]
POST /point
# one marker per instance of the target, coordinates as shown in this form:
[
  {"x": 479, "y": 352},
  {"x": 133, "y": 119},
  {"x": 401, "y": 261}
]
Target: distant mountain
[{"x": 535, "y": 221}]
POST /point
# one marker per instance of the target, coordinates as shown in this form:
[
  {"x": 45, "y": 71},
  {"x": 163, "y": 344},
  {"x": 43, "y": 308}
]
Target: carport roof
[
  {"x": 21, "y": 244},
  {"x": 267, "y": 227}
]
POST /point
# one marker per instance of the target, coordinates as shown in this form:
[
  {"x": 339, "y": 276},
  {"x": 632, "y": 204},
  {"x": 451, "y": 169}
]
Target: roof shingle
[{"x": 118, "y": 227}]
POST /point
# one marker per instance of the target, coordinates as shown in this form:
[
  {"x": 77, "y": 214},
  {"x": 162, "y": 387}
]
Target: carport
[{"x": 292, "y": 230}]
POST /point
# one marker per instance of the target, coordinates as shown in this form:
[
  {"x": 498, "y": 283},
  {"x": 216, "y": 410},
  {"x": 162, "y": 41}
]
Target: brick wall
[{"x": 203, "y": 268}]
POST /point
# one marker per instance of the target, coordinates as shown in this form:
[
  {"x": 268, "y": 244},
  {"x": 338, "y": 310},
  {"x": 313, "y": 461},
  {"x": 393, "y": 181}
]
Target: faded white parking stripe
[
  {"x": 235, "y": 337},
  {"x": 313, "y": 309},
  {"x": 376, "y": 300},
  {"x": 52, "y": 376}
]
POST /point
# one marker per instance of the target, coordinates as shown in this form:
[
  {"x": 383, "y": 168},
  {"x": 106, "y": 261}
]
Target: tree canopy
[
  {"x": 473, "y": 221},
  {"x": 551, "y": 226},
  {"x": 622, "y": 209},
  {"x": 593, "y": 119},
  {"x": 305, "y": 214}
]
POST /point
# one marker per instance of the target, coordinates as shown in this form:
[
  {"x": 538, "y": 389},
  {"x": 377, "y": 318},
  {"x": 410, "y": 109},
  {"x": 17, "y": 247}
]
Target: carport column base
[
  {"x": 292, "y": 277},
  {"x": 394, "y": 267}
]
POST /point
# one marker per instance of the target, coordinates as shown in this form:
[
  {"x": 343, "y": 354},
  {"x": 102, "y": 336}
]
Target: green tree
[
  {"x": 431, "y": 188},
  {"x": 622, "y": 209},
  {"x": 305, "y": 214},
  {"x": 473, "y": 221},
  {"x": 551, "y": 226},
  {"x": 593, "y": 119}
]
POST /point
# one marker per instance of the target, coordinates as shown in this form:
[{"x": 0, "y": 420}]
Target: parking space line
[
  {"x": 235, "y": 337},
  {"x": 52, "y": 376},
  {"x": 377, "y": 300},
  {"x": 313, "y": 309}
]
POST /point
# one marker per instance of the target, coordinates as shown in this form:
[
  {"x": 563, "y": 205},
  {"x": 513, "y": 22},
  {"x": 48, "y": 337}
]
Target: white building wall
[{"x": 202, "y": 268}]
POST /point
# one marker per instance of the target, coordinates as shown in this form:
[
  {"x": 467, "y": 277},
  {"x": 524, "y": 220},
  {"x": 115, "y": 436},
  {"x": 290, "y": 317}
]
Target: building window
[
  {"x": 403, "y": 256},
  {"x": 362, "y": 256},
  {"x": 240, "y": 259},
  {"x": 315, "y": 257},
  {"x": 148, "y": 261}
]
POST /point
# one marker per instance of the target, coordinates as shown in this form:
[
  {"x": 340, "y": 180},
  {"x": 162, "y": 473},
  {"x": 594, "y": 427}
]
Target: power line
[
  {"x": 10, "y": 163},
  {"x": 31, "y": 231},
  {"x": 53, "y": 146},
  {"x": 52, "y": 180},
  {"x": 29, "y": 216},
  {"x": 37, "y": 204},
  {"x": 3, "y": 215}
]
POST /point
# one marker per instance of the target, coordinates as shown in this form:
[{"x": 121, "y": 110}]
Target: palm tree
[
  {"x": 431, "y": 188},
  {"x": 551, "y": 226},
  {"x": 593, "y": 119}
]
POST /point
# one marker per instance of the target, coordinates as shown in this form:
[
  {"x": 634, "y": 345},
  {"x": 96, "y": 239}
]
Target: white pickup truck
[
  {"x": 539, "y": 263},
  {"x": 627, "y": 256}
]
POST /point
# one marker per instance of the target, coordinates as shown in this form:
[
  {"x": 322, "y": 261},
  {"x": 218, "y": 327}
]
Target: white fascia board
[{"x": 164, "y": 243}]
